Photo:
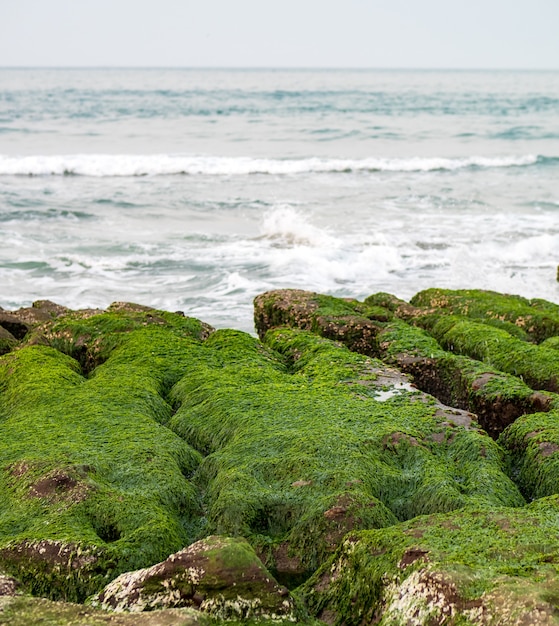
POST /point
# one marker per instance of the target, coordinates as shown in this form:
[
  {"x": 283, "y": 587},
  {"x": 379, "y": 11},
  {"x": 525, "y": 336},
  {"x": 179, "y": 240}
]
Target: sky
[{"x": 481, "y": 34}]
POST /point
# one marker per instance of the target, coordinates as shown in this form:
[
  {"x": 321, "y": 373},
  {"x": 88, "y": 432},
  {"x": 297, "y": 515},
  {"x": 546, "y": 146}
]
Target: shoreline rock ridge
[{"x": 376, "y": 462}]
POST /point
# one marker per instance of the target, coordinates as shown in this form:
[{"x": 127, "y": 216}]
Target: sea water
[{"x": 196, "y": 190}]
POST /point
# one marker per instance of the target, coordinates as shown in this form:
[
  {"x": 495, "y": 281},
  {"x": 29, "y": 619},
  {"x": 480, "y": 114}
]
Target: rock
[
  {"x": 20, "y": 322},
  {"x": 538, "y": 366},
  {"x": 496, "y": 397},
  {"x": 533, "y": 444},
  {"x": 472, "y": 566},
  {"x": 333, "y": 318},
  {"x": 55, "y": 568},
  {"x": 304, "y": 441},
  {"x": 86, "y": 465},
  {"x": 25, "y": 610},
  {"x": 221, "y": 576},
  {"x": 14, "y": 325},
  {"x": 7, "y": 340},
  {"x": 535, "y": 318},
  {"x": 9, "y": 586}
]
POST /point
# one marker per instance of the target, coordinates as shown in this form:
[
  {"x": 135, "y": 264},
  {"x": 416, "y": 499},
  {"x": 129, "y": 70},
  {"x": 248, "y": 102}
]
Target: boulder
[
  {"x": 532, "y": 442},
  {"x": 537, "y": 318},
  {"x": 476, "y": 566},
  {"x": 7, "y": 341},
  {"x": 220, "y": 576}
]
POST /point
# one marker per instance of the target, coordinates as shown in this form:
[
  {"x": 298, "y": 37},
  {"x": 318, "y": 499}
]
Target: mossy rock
[
  {"x": 26, "y": 610},
  {"x": 496, "y": 397},
  {"x": 90, "y": 336},
  {"x": 538, "y": 366},
  {"x": 89, "y": 473},
  {"x": 551, "y": 342},
  {"x": 472, "y": 566},
  {"x": 349, "y": 321},
  {"x": 533, "y": 444},
  {"x": 537, "y": 318},
  {"x": 308, "y": 441},
  {"x": 220, "y": 576},
  {"x": 7, "y": 341}
]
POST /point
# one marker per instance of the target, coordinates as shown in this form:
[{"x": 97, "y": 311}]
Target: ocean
[{"x": 197, "y": 189}]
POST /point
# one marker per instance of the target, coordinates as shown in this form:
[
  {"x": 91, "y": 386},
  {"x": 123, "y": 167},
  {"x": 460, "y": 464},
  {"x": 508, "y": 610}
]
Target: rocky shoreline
[{"x": 375, "y": 462}]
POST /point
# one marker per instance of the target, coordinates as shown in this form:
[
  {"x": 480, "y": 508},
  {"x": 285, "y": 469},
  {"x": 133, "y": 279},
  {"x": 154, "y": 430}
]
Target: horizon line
[{"x": 280, "y": 68}]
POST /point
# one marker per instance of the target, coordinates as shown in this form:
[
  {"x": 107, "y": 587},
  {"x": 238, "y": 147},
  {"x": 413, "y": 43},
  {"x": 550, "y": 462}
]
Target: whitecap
[{"x": 113, "y": 165}]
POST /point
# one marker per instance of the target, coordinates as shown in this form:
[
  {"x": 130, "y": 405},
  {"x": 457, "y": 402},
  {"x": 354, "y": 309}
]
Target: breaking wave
[{"x": 109, "y": 165}]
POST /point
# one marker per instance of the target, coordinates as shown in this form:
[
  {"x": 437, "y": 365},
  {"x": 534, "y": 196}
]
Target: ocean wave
[{"x": 109, "y": 165}]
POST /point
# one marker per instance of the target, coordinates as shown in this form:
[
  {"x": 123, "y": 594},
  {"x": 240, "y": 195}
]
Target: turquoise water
[{"x": 195, "y": 190}]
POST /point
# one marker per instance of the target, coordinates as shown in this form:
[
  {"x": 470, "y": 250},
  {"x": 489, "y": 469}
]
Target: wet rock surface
[{"x": 362, "y": 462}]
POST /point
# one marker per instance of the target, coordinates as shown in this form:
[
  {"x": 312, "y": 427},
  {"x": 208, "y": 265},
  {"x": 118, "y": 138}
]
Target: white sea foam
[
  {"x": 287, "y": 227},
  {"x": 111, "y": 165}
]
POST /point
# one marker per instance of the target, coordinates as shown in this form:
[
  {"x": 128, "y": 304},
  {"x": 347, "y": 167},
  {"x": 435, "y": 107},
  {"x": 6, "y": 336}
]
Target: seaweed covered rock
[
  {"x": 469, "y": 567},
  {"x": 92, "y": 483},
  {"x": 533, "y": 444},
  {"x": 9, "y": 586},
  {"x": 537, "y": 365},
  {"x": 7, "y": 341},
  {"x": 495, "y": 396},
  {"x": 308, "y": 441},
  {"x": 220, "y": 576},
  {"x": 348, "y": 321},
  {"x": 536, "y": 318},
  {"x": 26, "y": 610},
  {"x": 19, "y": 323},
  {"x": 381, "y": 326}
]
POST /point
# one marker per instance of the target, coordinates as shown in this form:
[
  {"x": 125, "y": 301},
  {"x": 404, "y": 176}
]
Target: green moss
[
  {"x": 497, "y": 397},
  {"x": 537, "y": 318},
  {"x": 350, "y": 321},
  {"x": 91, "y": 338},
  {"x": 89, "y": 464},
  {"x": 23, "y": 611},
  {"x": 538, "y": 366},
  {"x": 452, "y": 562},
  {"x": 300, "y": 451},
  {"x": 533, "y": 443},
  {"x": 552, "y": 342}
]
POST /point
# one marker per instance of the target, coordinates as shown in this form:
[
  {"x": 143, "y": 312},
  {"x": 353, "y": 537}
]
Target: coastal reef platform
[{"x": 359, "y": 462}]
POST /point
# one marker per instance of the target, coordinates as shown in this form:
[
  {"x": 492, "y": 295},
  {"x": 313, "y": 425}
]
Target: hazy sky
[{"x": 286, "y": 33}]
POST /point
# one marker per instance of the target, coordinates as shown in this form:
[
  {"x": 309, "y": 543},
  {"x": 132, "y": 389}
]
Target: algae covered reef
[{"x": 375, "y": 462}]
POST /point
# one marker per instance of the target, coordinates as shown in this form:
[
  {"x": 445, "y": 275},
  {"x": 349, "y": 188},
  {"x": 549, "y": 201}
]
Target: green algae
[
  {"x": 533, "y": 444},
  {"x": 538, "y": 366},
  {"x": 537, "y": 318},
  {"x": 333, "y": 318},
  {"x": 497, "y": 397},
  {"x": 452, "y": 563},
  {"x": 299, "y": 451},
  {"x": 220, "y": 576},
  {"x": 91, "y": 336},
  {"x": 24, "y": 610},
  {"x": 87, "y": 463},
  {"x": 551, "y": 342}
]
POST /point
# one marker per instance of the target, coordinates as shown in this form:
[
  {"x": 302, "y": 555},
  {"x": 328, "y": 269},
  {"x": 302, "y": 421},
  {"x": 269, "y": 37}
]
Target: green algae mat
[{"x": 380, "y": 462}]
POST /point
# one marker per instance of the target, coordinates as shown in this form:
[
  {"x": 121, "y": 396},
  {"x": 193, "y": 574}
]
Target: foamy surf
[{"x": 115, "y": 165}]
